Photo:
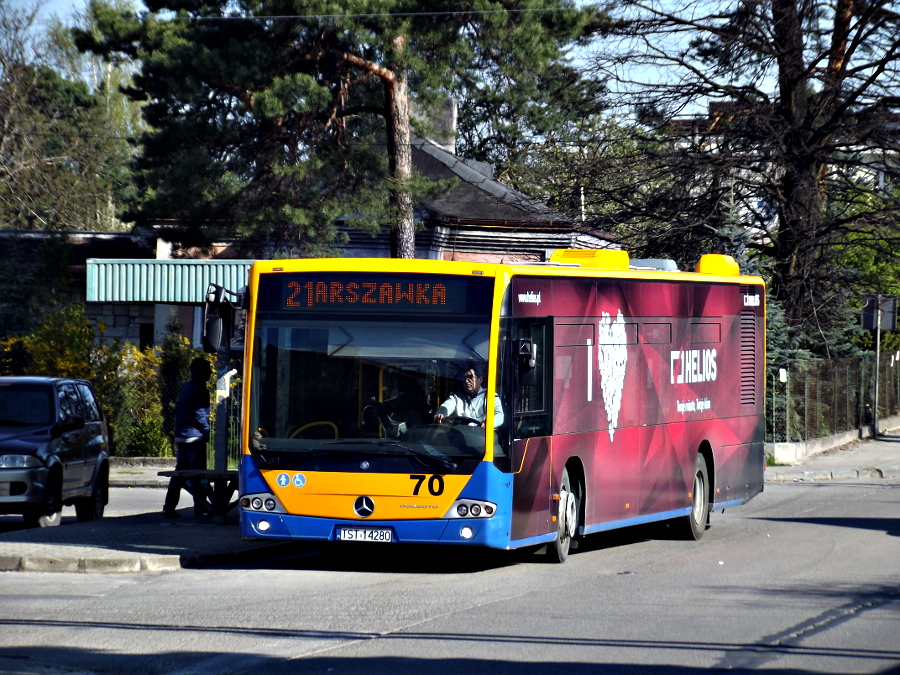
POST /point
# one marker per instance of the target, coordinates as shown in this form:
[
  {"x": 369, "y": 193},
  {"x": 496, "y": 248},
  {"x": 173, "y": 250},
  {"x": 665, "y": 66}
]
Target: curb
[
  {"x": 812, "y": 476},
  {"x": 90, "y": 565},
  {"x": 144, "y": 563},
  {"x": 138, "y": 481}
]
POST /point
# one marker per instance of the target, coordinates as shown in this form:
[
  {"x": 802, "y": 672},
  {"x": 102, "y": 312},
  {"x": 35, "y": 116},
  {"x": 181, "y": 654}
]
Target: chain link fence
[{"x": 814, "y": 399}]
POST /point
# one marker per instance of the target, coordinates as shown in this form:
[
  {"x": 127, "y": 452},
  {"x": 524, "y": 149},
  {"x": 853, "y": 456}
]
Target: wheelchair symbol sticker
[
  {"x": 283, "y": 480},
  {"x": 299, "y": 480}
]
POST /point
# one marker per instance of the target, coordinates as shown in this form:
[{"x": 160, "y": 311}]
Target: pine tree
[
  {"x": 272, "y": 121},
  {"x": 782, "y": 112}
]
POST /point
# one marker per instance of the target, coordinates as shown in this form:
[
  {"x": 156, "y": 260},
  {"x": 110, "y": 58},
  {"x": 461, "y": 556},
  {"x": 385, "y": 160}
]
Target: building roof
[
  {"x": 164, "y": 281},
  {"x": 477, "y": 196}
]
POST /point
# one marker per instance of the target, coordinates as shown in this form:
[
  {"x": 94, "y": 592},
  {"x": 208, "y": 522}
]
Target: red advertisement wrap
[{"x": 644, "y": 374}]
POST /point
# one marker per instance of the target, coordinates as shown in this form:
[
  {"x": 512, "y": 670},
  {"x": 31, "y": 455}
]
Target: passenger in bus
[{"x": 471, "y": 404}]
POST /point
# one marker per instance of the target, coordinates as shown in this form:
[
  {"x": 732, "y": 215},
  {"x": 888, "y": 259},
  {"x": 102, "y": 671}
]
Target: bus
[{"x": 613, "y": 392}]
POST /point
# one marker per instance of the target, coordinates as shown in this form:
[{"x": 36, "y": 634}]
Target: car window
[
  {"x": 25, "y": 404},
  {"x": 69, "y": 401},
  {"x": 91, "y": 409}
]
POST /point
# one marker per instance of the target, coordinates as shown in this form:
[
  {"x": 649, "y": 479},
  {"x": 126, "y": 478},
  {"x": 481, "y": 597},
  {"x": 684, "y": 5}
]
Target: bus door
[{"x": 530, "y": 430}]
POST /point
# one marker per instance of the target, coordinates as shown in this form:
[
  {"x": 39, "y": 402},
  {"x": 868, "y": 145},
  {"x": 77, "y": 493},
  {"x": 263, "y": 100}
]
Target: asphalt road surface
[{"x": 804, "y": 579}]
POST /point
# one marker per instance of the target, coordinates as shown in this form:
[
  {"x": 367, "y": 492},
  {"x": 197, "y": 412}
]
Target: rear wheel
[
  {"x": 558, "y": 550},
  {"x": 694, "y": 524},
  {"x": 49, "y": 512},
  {"x": 91, "y": 508}
]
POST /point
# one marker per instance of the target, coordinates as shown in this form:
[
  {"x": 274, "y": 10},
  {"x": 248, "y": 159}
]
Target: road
[
  {"x": 122, "y": 502},
  {"x": 805, "y": 578}
]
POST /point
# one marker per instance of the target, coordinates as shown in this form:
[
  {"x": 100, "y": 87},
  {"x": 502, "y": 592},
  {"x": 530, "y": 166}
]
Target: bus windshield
[{"x": 364, "y": 387}]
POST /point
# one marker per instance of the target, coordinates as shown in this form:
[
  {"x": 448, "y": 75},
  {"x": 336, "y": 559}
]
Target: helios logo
[
  {"x": 530, "y": 298},
  {"x": 692, "y": 365}
]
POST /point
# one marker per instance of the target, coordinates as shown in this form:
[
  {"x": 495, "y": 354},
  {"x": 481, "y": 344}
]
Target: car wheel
[
  {"x": 49, "y": 512},
  {"x": 91, "y": 508}
]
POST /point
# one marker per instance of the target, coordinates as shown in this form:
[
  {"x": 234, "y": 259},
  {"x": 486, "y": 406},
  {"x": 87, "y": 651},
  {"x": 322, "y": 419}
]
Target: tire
[
  {"x": 693, "y": 525},
  {"x": 49, "y": 512},
  {"x": 569, "y": 508},
  {"x": 91, "y": 508}
]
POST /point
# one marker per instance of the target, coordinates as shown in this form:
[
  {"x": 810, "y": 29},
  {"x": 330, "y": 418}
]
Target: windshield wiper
[
  {"x": 275, "y": 457},
  {"x": 425, "y": 457}
]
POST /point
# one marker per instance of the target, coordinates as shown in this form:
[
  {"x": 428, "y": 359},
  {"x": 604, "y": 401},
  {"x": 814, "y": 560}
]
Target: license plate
[{"x": 378, "y": 534}]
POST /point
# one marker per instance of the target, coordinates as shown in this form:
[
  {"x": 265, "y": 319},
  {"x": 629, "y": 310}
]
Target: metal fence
[{"x": 814, "y": 399}]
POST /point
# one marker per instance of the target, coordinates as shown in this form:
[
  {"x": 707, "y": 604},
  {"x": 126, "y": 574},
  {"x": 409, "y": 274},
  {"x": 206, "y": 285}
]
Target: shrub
[
  {"x": 137, "y": 419},
  {"x": 64, "y": 344},
  {"x": 176, "y": 355}
]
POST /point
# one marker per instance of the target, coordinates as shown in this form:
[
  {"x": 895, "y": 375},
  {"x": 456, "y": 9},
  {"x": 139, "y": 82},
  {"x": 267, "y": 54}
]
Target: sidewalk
[
  {"x": 139, "y": 471},
  {"x": 862, "y": 459},
  {"x": 147, "y": 542}
]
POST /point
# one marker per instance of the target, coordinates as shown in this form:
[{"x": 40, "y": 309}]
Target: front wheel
[
  {"x": 694, "y": 524},
  {"x": 558, "y": 550}
]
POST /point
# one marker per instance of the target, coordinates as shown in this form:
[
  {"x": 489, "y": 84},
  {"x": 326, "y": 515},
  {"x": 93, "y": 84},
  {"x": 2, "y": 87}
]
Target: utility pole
[{"x": 877, "y": 365}]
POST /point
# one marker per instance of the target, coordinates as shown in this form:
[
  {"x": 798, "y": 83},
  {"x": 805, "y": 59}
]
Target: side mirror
[
  {"x": 70, "y": 423},
  {"x": 527, "y": 362},
  {"x": 212, "y": 333},
  {"x": 219, "y": 316}
]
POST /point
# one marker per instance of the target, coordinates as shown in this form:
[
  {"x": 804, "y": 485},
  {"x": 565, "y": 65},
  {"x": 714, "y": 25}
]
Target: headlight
[
  {"x": 471, "y": 508},
  {"x": 18, "y": 461},
  {"x": 262, "y": 502}
]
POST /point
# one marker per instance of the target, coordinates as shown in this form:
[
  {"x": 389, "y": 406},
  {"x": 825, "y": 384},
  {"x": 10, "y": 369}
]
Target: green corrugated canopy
[{"x": 163, "y": 281}]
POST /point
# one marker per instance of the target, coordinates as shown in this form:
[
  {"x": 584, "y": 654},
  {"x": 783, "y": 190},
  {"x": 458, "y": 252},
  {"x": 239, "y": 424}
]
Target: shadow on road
[{"x": 890, "y": 526}]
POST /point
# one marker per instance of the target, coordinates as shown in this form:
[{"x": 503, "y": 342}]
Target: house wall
[
  {"x": 144, "y": 324},
  {"x": 123, "y": 322}
]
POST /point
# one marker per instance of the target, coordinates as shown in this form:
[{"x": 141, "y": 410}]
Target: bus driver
[{"x": 470, "y": 404}]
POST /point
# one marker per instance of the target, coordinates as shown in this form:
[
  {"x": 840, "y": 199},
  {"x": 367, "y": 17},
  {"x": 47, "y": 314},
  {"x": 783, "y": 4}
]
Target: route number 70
[{"x": 435, "y": 483}]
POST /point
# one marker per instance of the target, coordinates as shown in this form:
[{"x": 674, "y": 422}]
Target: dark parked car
[{"x": 54, "y": 449}]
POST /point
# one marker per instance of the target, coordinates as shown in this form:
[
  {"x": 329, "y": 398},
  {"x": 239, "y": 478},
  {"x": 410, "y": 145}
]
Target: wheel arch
[
  {"x": 103, "y": 474},
  {"x": 54, "y": 471}
]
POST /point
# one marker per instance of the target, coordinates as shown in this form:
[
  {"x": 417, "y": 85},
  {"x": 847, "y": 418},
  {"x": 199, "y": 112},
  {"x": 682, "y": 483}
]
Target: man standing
[
  {"x": 471, "y": 403},
  {"x": 191, "y": 436}
]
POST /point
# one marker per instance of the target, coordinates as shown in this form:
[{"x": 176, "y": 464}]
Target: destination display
[{"x": 377, "y": 293}]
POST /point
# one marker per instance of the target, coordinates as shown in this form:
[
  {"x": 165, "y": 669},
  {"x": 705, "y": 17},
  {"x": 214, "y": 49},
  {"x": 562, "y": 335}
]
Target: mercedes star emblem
[{"x": 364, "y": 507}]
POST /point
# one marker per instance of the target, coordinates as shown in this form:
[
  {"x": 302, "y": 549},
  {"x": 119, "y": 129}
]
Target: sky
[{"x": 61, "y": 8}]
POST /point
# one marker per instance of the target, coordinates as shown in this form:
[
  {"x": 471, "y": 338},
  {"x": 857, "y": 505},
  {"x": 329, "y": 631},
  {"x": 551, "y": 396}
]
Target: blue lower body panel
[
  {"x": 489, "y": 532},
  {"x": 486, "y": 483}
]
